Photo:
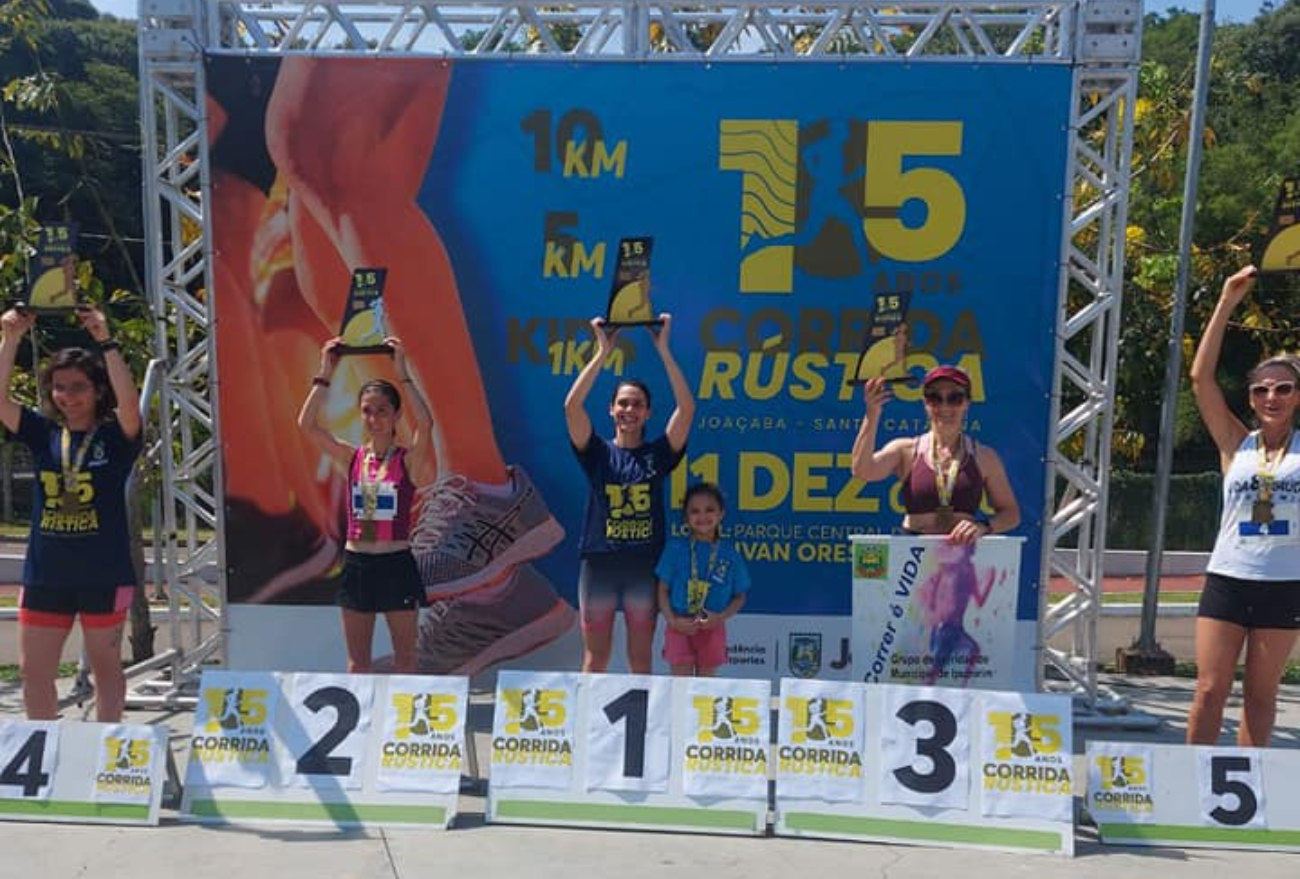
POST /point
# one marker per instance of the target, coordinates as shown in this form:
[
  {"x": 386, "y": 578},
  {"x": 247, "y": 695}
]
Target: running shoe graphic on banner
[{"x": 467, "y": 538}]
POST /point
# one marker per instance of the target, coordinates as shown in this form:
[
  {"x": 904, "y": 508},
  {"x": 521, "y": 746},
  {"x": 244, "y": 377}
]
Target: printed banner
[
  {"x": 128, "y": 765},
  {"x": 725, "y": 749},
  {"x": 926, "y": 611},
  {"x": 322, "y": 730},
  {"x": 422, "y": 747},
  {"x": 629, "y": 732},
  {"x": 821, "y": 734},
  {"x": 231, "y": 742},
  {"x": 788, "y": 206},
  {"x": 1121, "y": 782},
  {"x": 1026, "y": 756},
  {"x": 533, "y": 730}
]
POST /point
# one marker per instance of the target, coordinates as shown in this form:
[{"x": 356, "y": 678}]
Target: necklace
[
  {"x": 370, "y": 489},
  {"x": 697, "y": 588},
  {"x": 945, "y": 480},
  {"x": 72, "y": 499}
]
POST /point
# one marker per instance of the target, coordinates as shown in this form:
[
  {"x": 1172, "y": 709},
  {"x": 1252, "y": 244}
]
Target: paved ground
[{"x": 181, "y": 851}]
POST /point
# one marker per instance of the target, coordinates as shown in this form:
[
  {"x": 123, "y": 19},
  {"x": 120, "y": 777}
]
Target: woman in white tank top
[{"x": 1251, "y": 597}]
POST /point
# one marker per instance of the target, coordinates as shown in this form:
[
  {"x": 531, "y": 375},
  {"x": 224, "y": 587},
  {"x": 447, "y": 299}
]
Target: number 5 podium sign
[
  {"x": 630, "y": 751},
  {"x": 1208, "y": 797}
]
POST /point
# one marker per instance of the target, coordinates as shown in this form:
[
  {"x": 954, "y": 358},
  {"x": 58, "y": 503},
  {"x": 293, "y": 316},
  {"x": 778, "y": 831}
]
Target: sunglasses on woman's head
[
  {"x": 1279, "y": 389},
  {"x": 952, "y": 398}
]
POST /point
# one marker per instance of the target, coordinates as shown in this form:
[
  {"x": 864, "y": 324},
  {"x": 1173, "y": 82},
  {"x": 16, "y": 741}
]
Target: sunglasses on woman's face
[
  {"x": 1278, "y": 389},
  {"x": 952, "y": 398}
]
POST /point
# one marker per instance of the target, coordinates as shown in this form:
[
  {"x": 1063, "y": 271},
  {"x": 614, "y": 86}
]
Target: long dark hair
[
  {"x": 631, "y": 383},
  {"x": 91, "y": 365},
  {"x": 386, "y": 388}
]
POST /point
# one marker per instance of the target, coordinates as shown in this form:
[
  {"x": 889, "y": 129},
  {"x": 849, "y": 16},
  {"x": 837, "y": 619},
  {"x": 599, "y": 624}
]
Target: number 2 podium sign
[{"x": 335, "y": 749}]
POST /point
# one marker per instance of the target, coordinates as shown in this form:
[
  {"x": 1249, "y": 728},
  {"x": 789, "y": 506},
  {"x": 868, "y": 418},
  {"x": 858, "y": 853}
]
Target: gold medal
[
  {"x": 70, "y": 503},
  {"x": 696, "y": 592},
  {"x": 1261, "y": 512},
  {"x": 368, "y": 531},
  {"x": 944, "y": 518},
  {"x": 697, "y": 587}
]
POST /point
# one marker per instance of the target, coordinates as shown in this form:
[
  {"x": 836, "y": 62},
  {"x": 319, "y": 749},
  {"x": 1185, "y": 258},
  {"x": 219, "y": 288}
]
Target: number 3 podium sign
[
  {"x": 84, "y": 772},
  {"x": 1207, "y": 797},
  {"x": 925, "y": 764},
  {"x": 630, "y": 751},
  {"x": 341, "y": 750}
]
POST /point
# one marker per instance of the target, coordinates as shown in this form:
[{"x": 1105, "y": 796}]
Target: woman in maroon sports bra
[
  {"x": 945, "y": 476},
  {"x": 945, "y": 473}
]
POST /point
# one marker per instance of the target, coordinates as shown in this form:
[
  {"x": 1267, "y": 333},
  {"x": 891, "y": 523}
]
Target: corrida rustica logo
[
  {"x": 725, "y": 718},
  {"x": 819, "y": 719},
  {"x": 830, "y": 196},
  {"x": 235, "y": 709},
  {"x": 1022, "y": 735},
  {"x": 424, "y": 715},
  {"x": 534, "y": 710}
]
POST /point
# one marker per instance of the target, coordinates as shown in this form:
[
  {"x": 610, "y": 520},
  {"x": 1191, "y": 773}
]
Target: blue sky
[{"x": 1225, "y": 10}]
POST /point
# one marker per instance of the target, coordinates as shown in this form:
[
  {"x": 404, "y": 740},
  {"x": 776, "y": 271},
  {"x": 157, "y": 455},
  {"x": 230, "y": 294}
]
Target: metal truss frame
[{"x": 1100, "y": 39}]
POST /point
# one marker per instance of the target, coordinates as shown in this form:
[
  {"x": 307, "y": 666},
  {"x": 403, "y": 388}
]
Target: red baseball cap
[{"x": 952, "y": 373}]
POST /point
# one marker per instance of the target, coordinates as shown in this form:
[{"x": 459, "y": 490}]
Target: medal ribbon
[
  {"x": 1266, "y": 468},
  {"x": 944, "y": 482},
  {"x": 708, "y": 571},
  {"x": 72, "y": 466}
]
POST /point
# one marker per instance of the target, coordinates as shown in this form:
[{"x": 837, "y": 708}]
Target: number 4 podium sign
[{"x": 83, "y": 772}]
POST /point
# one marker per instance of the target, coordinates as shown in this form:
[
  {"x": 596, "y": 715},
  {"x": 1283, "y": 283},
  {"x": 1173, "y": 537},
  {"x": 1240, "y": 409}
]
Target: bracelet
[
  {"x": 320, "y": 382},
  {"x": 109, "y": 344}
]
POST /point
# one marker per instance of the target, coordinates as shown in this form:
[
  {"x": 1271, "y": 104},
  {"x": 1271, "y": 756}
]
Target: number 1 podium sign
[
  {"x": 1206, "y": 797},
  {"x": 926, "y": 765},
  {"x": 104, "y": 773},
  {"x": 630, "y": 751},
  {"x": 333, "y": 749}
]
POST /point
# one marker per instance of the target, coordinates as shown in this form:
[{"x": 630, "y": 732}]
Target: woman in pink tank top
[{"x": 379, "y": 571}]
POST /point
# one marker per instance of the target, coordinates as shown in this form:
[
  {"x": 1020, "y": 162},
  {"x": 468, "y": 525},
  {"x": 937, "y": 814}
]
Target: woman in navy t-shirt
[
  {"x": 624, "y": 531},
  {"x": 79, "y": 554}
]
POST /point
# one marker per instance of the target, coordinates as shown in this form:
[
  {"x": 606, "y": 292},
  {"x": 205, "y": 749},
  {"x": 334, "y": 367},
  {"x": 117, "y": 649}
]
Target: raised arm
[
  {"x": 119, "y": 374},
  {"x": 309, "y": 418},
  {"x": 870, "y": 464},
  {"x": 575, "y": 404},
  {"x": 413, "y": 398},
  {"x": 679, "y": 423},
  {"x": 12, "y": 326},
  {"x": 1225, "y": 427}
]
